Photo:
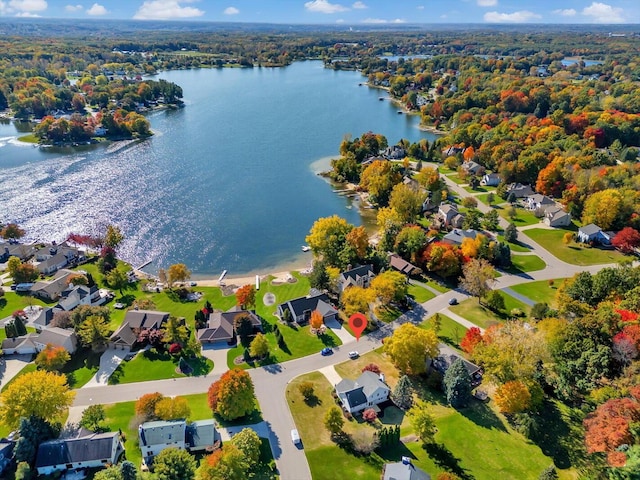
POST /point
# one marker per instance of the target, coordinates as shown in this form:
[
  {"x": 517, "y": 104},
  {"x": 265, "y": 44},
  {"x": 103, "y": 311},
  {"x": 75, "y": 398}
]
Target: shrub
[
  {"x": 306, "y": 389},
  {"x": 372, "y": 367},
  {"x": 369, "y": 415},
  {"x": 175, "y": 348}
]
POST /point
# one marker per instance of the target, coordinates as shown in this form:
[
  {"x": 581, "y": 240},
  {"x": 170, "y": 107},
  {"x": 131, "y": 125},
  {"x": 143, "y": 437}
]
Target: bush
[
  {"x": 363, "y": 443},
  {"x": 306, "y": 389},
  {"x": 516, "y": 312},
  {"x": 539, "y": 311},
  {"x": 369, "y": 415},
  {"x": 372, "y": 367},
  {"x": 175, "y": 348}
]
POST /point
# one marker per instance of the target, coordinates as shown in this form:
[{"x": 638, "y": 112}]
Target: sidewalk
[
  {"x": 461, "y": 320},
  {"x": 109, "y": 361}
]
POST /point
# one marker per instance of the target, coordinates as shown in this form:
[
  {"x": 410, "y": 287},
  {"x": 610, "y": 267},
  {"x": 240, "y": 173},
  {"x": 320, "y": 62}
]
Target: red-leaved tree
[
  {"x": 372, "y": 367},
  {"x": 608, "y": 427},
  {"x": 369, "y": 415},
  {"x": 472, "y": 338},
  {"x": 246, "y": 297},
  {"x": 626, "y": 240}
]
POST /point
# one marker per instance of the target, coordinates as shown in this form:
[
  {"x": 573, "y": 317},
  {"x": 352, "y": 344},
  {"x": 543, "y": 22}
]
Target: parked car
[
  {"x": 295, "y": 437},
  {"x": 326, "y": 351},
  {"x": 453, "y": 301},
  {"x": 353, "y": 354}
]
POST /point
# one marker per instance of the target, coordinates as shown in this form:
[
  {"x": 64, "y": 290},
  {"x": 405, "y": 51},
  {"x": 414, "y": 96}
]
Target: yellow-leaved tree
[
  {"x": 410, "y": 347},
  {"x": 45, "y": 395}
]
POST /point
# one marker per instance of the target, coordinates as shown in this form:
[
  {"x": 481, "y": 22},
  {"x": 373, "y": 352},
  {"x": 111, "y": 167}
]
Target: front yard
[
  {"x": 523, "y": 217},
  {"x": 540, "y": 291},
  {"x": 525, "y": 263},
  {"x": 482, "y": 316}
]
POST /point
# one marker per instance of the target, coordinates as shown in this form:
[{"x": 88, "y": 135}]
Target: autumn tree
[
  {"x": 422, "y": 422},
  {"x": 259, "y": 347},
  {"x": 512, "y": 397},
  {"x": 379, "y": 179},
  {"x": 409, "y": 347},
  {"x": 390, "y": 286},
  {"x": 234, "y": 395},
  {"x": 174, "y": 464},
  {"x": 410, "y": 241},
  {"x": 407, "y": 202},
  {"x": 472, "y": 338},
  {"x": 52, "y": 358},
  {"x": 177, "y": 272},
  {"x": 21, "y": 272},
  {"x": 604, "y": 208},
  {"x": 356, "y": 299},
  {"x": 316, "y": 321},
  {"x": 117, "y": 279},
  {"x": 113, "y": 237},
  {"x": 146, "y": 405},
  {"x": 248, "y": 443},
  {"x": 228, "y": 463},
  {"x": 45, "y": 395},
  {"x": 11, "y": 231},
  {"x": 33, "y": 431},
  {"x": 443, "y": 259},
  {"x": 333, "y": 420},
  {"x": 306, "y": 390},
  {"x": 175, "y": 331},
  {"x": 389, "y": 224},
  {"x": 246, "y": 297},
  {"x": 92, "y": 417},
  {"x": 402, "y": 395},
  {"x": 174, "y": 408},
  {"x": 457, "y": 384},
  {"x": 94, "y": 332},
  {"x": 478, "y": 277},
  {"x": 369, "y": 415},
  {"x": 327, "y": 238},
  {"x": 626, "y": 240},
  {"x": 429, "y": 178},
  {"x": 358, "y": 239},
  {"x": 371, "y": 367}
]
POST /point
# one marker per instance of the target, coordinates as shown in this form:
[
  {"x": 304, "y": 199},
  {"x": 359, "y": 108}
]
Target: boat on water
[
  {"x": 306, "y": 248},
  {"x": 381, "y": 98}
]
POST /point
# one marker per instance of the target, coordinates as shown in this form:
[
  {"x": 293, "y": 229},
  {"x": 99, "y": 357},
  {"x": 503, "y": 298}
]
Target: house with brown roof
[
  {"x": 134, "y": 322},
  {"x": 220, "y": 326},
  {"x": 400, "y": 264},
  {"x": 50, "y": 290}
]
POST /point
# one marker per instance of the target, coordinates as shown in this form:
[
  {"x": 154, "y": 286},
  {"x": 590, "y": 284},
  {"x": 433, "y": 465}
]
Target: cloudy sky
[{"x": 336, "y": 11}]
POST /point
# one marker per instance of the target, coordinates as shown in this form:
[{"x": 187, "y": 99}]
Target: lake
[{"x": 227, "y": 182}]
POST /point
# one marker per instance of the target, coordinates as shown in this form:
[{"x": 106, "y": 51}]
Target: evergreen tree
[
  {"x": 549, "y": 473},
  {"x": 511, "y": 233},
  {"x": 10, "y": 330},
  {"x": 457, "y": 384},
  {"x": 33, "y": 431},
  {"x": 19, "y": 326},
  {"x": 402, "y": 395},
  {"x": 319, "y": 278},
  {"x": 511, "y": 198},
  {"x": 128, "y": 470}
]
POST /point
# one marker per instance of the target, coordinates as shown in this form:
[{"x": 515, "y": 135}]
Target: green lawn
[
  {"x": 152, "y": 365},
  {"x": 12, "y": 301},
  {"x": 451, "y": 332},
  {"x": 478, "y": 189},
  {"x": 482, "y": 316},
  {"x": 436, "y": 284},
  {"x": 476, "y": 442},
  {"x": 457, "y": 179},
  {"x": 574, "y": 253},
  {"x": 540, "y": 291},
  {"x": 483, "y": 197},
  {"x": 526, "y": 263},
  {"x": 82, "y": 367},
  {"x": 515, "y": 247},
  {"x": 420, "y": 294},
  {"x": 524, "y": 217}
]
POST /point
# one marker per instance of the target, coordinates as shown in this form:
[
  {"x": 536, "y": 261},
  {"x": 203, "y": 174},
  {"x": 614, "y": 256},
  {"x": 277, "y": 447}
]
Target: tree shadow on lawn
[
  {"x": 480, "y": 414},
  {"x": 127, "y": 299},
  {"x": 313, "y": 401},
  {"x": 391, "y": 416},
  {"x": 444, "y": 459},
  {"x": 327, "y": 340},
  {"x": 198, "y": 365},
  {"x": 83, "y": 358},
  {"x": 395, "y": 453}
]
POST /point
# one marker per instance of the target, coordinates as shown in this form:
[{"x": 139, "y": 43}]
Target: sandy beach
[{"x": 240, "y": 281}]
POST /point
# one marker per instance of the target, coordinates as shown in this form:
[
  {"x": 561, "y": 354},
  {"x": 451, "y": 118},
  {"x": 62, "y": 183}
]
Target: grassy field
[
  {"x": 12, "y": 301},
  {"x": 420, "y": 294},
  {"x": 574, "y": 253},
  {"x": 153, "y": 365},
  {"x": 476, "y": 442},
  {"x": 451, "y": 332},
  {"x": 482, "y": 316},
  {"x": 524, "y": 217},
  {"x": 515, "y": 247},
  {"x": 82, "y": 367},
  {"x": 540, "y": 291},
  {"x": 525, "y": 263}
]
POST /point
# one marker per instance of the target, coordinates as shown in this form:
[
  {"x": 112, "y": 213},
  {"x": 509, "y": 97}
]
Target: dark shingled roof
[
  {"x": 97, "y": 446},
  {"x": 220, "y": 325},
  {"x": 300, "y": 305}
]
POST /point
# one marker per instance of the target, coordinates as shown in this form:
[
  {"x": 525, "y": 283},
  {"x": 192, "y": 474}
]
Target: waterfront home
[
  {"x": 221, "y": 326},
  {"x": 134, "y": 322},
  {"x": 13, "y": 248},
  {"x": 593, "y": 234},
  {"x": 394, "y": 152},
  {"x": 300, "y": 308},
  {"x": 490, "y": 180},
  {"x": 367, "y": 391},
  {"x": 50, "y": 290},
  {"x": 95, "y": 450},
  {"x": 555, "y": 216},
  {"x": 360, "y": 276},
  {"x": 53, "y": 257},
  {"x": 400, "y": 264}
]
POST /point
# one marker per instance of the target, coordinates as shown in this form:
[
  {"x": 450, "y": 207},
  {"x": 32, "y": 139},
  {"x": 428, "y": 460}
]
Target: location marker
[{"x": 358, "y": 322}]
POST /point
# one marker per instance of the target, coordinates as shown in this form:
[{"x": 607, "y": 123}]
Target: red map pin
[{"x": 358, "y": 322}]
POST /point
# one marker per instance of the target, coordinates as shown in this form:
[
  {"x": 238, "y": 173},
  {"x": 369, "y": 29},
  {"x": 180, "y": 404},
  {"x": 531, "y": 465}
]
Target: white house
[
  {"x": 367, "y": 391},
  {"x": 593, "y": 234},
  {"x": 20, "y": 345},
  {"x": 90, "y": 451},
  {"x": 58, "y": 337},
  {"x": 156, "y": 436},
  {"x": 490, "y": 180},
  {"x": 78, "y": 295},
  {"x": 359, "y": 276},
  {"x": 555, "y": 216},
  {"x": 538, "y": 202}
]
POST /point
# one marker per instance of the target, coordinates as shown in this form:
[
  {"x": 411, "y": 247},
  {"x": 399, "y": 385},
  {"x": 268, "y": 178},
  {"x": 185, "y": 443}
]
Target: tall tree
[
  {"x": 92, "y": 417},
  {"x": 178, "y": 273},
  {"x": 390, "y": 286},
  {"x": 113, "y": 237},
  {"x": 410, "y": 241},
  {"x": 248, "y": 443},
  {"x": 333, "y": 420},
  {"x": 356, "y": 299},
  {"x": 146, "y": 405},
  {"x": 478, "y": 277},
  {"x": 327, "y": 238},
  {"x": 422, "y": 421},
  {"x": 513, "y": 397},
  {"x": 234, "y": 395},
  {"x": 117, "y": 279},
  {"x": 246, "y": 297},
  {"x": 94, "y": 332},
  {"x": 172, "y": 408},
  {"x": 243, "y": 327},
  {"x": 228, "y": 463},
  {"x": 457, "y": 384},
  {"x": 42, "y": 394},
  {"x": 174, "y": 464},
  {"x": 11, "y": 231},
  {"x": 259, "y": 347},
  {"x": 407, "y": 202},
  {"x": 52, "y": 358},
  {"x": 402, "y": 395},
  {"x": 176, "y": 331},
  {"x": 358, "y": 239},
  {"x": 410, "y": 347},
  {"x": 33, "y": 431}
]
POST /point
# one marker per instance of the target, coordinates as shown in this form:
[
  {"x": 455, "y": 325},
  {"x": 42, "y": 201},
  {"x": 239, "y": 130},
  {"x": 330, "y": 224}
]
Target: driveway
[
  {"x": 217, "y": 353},
  {"x": 341, "y": 332},
  {"x": 331, "y": 374},
  {"x": 10, "y": 366},
  {"x": 109, "y": 361}
]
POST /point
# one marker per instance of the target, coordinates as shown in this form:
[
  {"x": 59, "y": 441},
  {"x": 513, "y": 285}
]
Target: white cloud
[
  {"x": 323, "y": 6},
  {"x": 604, "y": 13},
  {"x": 96, "y": 10},
  {"x": 487, "y": 3},
  {"x": 399, "y": 20},
  {"x": 359, "y": 5},
  {"x": 28, "y": 5},
  {"x": 374, "y": 20},
  {"x": 340, "y": 20},
  {"x": 166, "y": 10},
  {"x": 73, "y": 8},
  {"x": 231, "y": 11},
  {"x": 523, "y": 16},
  {"x": 565, "y": 12}
]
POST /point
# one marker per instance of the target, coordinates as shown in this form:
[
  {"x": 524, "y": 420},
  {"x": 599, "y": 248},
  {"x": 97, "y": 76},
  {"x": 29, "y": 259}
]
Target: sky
[{"x": 348, "y": 12}]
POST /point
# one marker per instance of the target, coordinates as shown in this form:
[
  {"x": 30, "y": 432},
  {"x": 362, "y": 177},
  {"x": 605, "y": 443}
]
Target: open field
[
  {"x": 540, "y": 291},
  {"x": 482, "y": 316},
  {"x": 574, "y": 253}
]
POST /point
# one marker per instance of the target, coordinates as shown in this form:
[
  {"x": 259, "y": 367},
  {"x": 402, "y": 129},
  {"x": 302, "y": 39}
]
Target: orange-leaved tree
[
  {"x": 513, "y": 397},
  {"x": 52, "y": 358},
  {"x": 233, "y": 396},
  {"x": 316, "y": 321},
  {"x": 246, "y": 297},
  {"x": 146, "y": 405}
]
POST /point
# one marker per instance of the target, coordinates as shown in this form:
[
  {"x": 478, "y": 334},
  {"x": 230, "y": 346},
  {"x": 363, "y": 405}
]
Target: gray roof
[
  {"x": 55, "y": 336},
  {"x": 24, "y": 341},
  {"x": 300, "y": 305},
  {"x": 520, "y": 190},
  {"x": 160, "y": 432},
  {"x": 541, "y": 199},
  {"x": 400, "y": 264},
  {"x": 447, "y": 208},
  {"x": 97, "y": 446},
  {"x": 362, "y": 388},
  {"x": 138, "y": 320},
  {"x": 590, "y": 229},
  {"x": 358, "y": 272},
  {"x": 456, "y": 236},
  {"x": 221, "y": 324},
  {"x": 201, "y": 434},
  {"x": 54, "y": 287},
  {"x": 57, "y": 259},
  {"x": 404, "y": 471}
]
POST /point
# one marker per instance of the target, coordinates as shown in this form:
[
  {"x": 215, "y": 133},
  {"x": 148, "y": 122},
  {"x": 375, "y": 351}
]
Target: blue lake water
[{"x": 228, "y": 182}]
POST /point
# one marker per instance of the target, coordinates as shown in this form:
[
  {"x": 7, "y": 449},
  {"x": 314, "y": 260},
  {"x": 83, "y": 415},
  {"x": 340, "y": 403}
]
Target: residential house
[
  {"x": 457, "y": 236},
  {"x": 53, "y": 257},
  {"x": 201, "y": 436},
  {"x": 447, "y": 356},
  {"x": 58, "y": 337},
  {"x": 412, "y": 183},
  {"x": 134, "y": 322},
  {"x": 367, "y": 391},
  {"x": 403, "y": 470},
  {"x": 400, "y": 264},
  {"x": 360, "y": 276},
  {"x": 50, "y": 290},
  {"x": 473, "y": 168},
  {"x": 156, "y": 436},
  {"x": 449, "y": 217},
  {"x": 395, "y": 152},
  {"x": 556, "y": 216},
  {"x": 300, "y": 308},
  {"x": 490, "y": 180},
  {"x": 452, "y": 151},
  {"x": 13, "y": 248},
  {"x": 74, "y": 296},
  {"x": 538, "y": 202},
  {"x": 593, "y": 234},
  {"x": 20, "y": 345},
  {"x": 220, "y": 327},
  {"x": 91, "y": 451},
  {"x": 519, "y": 190},
  {"x": 6, "y": 454},
  {"x": 428, "y": 205},
  {"x": 45, "y": 317}
]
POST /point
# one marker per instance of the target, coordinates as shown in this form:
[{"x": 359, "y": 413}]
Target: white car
[
  {"x": 295, "y": 437},
  {"x": 354, "y": 354}
]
